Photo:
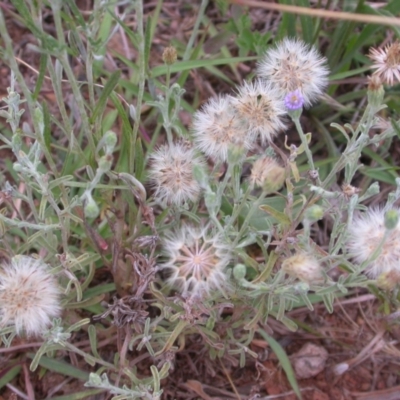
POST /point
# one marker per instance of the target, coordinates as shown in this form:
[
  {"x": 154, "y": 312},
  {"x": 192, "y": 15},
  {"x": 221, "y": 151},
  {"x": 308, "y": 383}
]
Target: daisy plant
[{"x": 179, "y": 231}]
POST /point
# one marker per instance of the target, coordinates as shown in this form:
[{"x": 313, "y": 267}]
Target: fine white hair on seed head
[
  {"x": 260, "y": 109},
  {"x": 195, "y": 260},
  {"x": 171, "y": 173},
  {"x": 366, "y": 232},
  {"x": 216, "y": 129},
  {"x": 29, "y": 296},
  {"x": 293, "y": 65}
]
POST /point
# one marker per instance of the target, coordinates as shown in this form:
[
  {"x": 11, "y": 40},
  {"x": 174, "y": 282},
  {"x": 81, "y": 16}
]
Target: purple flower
[{"x": 294, "y": 100}]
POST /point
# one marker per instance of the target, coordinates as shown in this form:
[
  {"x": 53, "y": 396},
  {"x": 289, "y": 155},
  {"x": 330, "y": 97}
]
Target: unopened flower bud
[
  {"x": 169, "y": 55},
  {"x": 314, "y": 213},
  {"x": 239, "y": 272},
  {"x": 375, "y": 91},
  {"x": 91, "y": 208},
  {"x": 110, "y": 140},
  {"x": 17, "y": 167},
  {"x": 391, "y": 219}
]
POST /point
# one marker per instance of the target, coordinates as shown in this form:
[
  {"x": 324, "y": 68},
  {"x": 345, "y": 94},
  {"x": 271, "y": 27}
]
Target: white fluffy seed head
[
  {"x": 171, "y": 173},
  {"x": 387, "y": 63},
  {"x": 260, "y": 109},
  {"x": 29, "y": 296},
  {"x": 366, "y": 232},
  {"x": 195, "y": 260},
  {"x": 293, "y": 65},
  {"x": 216, "y": 129},
  {"x": 304, "y": 267}
]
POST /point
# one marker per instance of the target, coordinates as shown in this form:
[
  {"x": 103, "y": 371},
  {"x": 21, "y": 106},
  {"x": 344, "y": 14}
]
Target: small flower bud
[
  {"x": 169, "y": 55},
  {"x": 17, "y": 167},
  {"x": 375, "y": 92},
  {"x": 391, "y": 219},
  {"x": 132, "y": 112},
  {"x": 239, "y": 272},
  {"x": 91, "y": 208},
  {"x": 110, "y": 140},
  {"x": 314, "y": 213}
]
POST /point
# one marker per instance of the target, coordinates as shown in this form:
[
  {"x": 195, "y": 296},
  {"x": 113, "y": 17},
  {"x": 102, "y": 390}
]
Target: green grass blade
[
  {"x": 194, "y": 64},
  {"x": 79, "y": 395},
  {"x": 61, "y": 367},
  {"x": 283, "y": 360},
  {"x": 40, "y": 78},
  {"x": 112, "y": 81},
  {"x": 9, "y": 375}
]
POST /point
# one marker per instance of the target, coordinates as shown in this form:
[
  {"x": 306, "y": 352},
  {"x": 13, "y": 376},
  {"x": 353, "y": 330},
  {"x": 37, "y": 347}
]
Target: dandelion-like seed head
[
  {"x": 29, "y": 296},
  {"x": 171, "y": 173},
  {"x": 304, "y": 267},
  {"x": 293, "y": 65},
  {"x": 387, "y": 62},
  {"x": 294, "y": 100},
  {"x": 216, "y": 129},
  {"x": 366, "y": 232},
  {"x": 260, "y": 109},
  {"x": 267, "y": 174},
  {"x": 196, "y": 260}
]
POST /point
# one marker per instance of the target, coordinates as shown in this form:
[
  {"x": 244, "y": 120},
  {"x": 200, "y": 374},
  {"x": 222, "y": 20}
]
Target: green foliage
[{"x": 77, "y": 189}]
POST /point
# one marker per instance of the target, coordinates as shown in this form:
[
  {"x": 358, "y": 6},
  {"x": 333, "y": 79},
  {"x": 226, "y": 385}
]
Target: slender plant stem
[
  {"x": 304, "y": 142},
  {"x": 195, "y": 30}
]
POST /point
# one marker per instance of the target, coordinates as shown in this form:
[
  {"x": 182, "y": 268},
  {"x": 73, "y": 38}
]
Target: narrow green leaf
[
  {"x": 126, "y": 134},
  {"x": 139, "y": 159},
  {"x": 280, "y": 216},
  {"x": 108, "y": 88},
  {"x": 98, "y": 290},
  {"x": 40, "y": 78},
  {"x": 193, "y": 64},
  {"x": 174, "y": 335},
  {"x": 147, "y": 43},
  {"x": 85, "y": 303},
  {"x": 93, "y": 340},
  {"x": 46, "y": 122},
  {"x": 283, "y": 360},
  {"x": 9, "y": 375},
  {"x": 61, "y": 367},
  {"x": 307, "y": 23},
  {"x": 80, "y": 395},
  {"x": 287, "y": 27},
  {"x": 76, "y": 13}
]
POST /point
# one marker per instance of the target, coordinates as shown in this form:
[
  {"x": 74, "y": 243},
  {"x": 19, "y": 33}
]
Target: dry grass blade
[{"x": 328, "y": 14}]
